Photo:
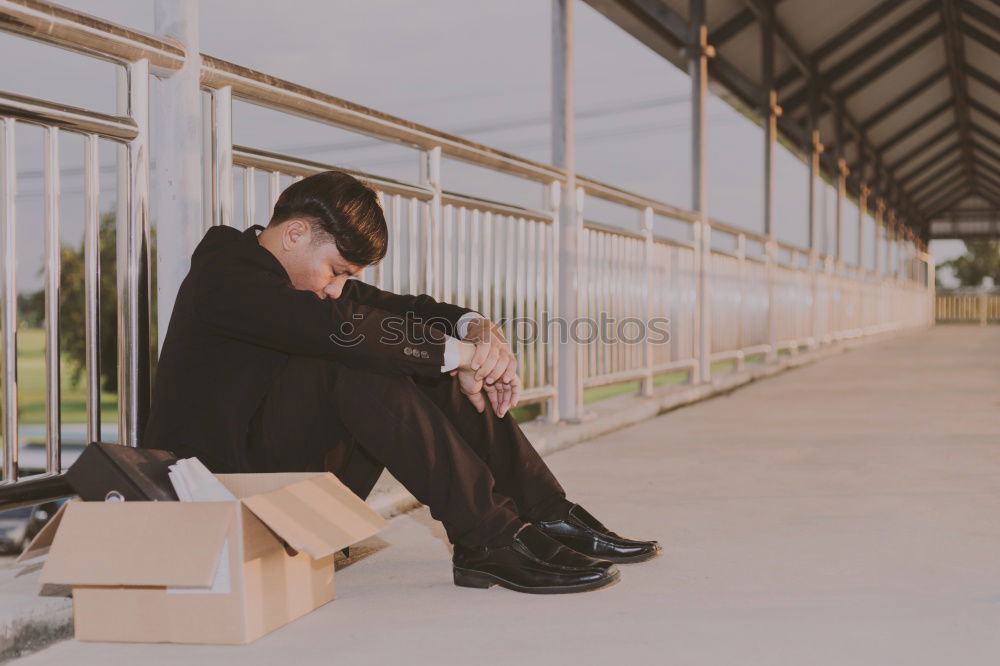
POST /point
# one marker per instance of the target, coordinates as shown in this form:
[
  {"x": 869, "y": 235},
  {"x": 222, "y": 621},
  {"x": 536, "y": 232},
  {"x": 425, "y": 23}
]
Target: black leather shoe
[
  {"x": 531, "y": 562},
  {"x": 585, "y": 534}
]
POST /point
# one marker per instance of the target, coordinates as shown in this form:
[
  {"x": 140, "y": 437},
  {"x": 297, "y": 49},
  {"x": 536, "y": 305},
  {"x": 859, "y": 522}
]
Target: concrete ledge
[{"x": 31, "y": 618}]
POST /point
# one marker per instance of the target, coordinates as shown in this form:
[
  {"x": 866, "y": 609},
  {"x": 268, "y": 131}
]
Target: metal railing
[
  {"x": 982, "y": 309},
  {"x": 760, "y": 297}
]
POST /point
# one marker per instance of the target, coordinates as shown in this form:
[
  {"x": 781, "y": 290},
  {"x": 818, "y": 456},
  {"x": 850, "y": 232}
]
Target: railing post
[
  {"x": 222, "y": 156},
  {"x": 132, "y": 249},
  {"x": 178, "y": 216},
  {"x": 8, "y": 298},
  {"x": 818, "y": 287},
  {"x": 646, "y": 387},
  {"x": 741, "y": 257},
  {"x": 430, "y": 176},
  {"x": 699, "y": 52}
]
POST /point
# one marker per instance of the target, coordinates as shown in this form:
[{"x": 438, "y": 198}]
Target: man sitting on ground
[{"x": 276, "y": 361}]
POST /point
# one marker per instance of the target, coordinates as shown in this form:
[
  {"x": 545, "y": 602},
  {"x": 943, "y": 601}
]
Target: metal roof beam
[
  {"x": 890, "y": 61},
  {"x": 987, "y": 151},
  {"x": 955, "y": 52},
  {"x": 901, "y": 99},
  {"x": 848, "y": 33},
  {"x": 984, "y": 16},
  {"x": 937, "y": 175},
  {"x": 731, "y": 28},
  {"x": 875, "y": 72},
  {"x": 880, "y": 42},
  {"x": 985, "y": 110},
  {"x": 931, "y": 193},
  {"x": 990, "y": 169},
  {"x": 976, "y": 129},
  {"x": 914, "y": 126},
  {"x": 948, "y": 200},
  {"x": 764, "y": 12},
  {"x": 924, "y": 145},
  {"x": 983, "y": 78},
  {"x": 929, "y": 162},
  {"x": 986, "y": 40}
]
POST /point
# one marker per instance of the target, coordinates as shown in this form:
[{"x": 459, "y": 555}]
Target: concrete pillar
[
  {"x": 569, "y": 355},
  {"x": 698, "y": 53},
  {"x": 176, "y": 170}
]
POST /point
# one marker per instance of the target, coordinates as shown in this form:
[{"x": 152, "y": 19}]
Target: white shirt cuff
[
  {"x": 462, "y": 325},
  {"x": 451, "y": 354}
]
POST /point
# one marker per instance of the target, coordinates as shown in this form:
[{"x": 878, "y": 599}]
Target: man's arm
[
  {"x": 425, "y": 308},
  {"x": 264, "y": 309}
]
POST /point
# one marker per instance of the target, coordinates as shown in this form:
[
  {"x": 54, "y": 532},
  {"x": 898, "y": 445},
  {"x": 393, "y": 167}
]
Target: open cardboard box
[{"x": 203, "y": 572}]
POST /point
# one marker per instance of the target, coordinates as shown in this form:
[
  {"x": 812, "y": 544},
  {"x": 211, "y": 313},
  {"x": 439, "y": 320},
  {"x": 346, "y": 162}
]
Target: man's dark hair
[{"x": 340, "y": 209}]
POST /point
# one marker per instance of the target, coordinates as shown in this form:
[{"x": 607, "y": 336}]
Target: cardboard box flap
[
  {"x": 318, "y": 515},
  {"x": 139, "y": 543},
  {"x": 39, "y": 546},
  {"x": 247, "y": 484}
]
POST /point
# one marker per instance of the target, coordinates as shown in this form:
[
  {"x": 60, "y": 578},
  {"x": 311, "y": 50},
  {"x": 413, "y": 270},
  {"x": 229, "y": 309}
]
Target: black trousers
[{"x": 478, "y": 474}]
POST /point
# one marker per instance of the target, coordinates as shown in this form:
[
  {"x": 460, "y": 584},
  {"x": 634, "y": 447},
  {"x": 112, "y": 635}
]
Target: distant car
[{"x": 19, "y": 526}]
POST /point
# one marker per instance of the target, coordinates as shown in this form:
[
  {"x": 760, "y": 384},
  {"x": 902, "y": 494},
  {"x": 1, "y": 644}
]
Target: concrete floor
[{"x": 844, "y": 513}]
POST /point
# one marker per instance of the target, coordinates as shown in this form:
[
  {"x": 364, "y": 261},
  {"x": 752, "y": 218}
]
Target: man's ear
[{"x": 295, "y": 233}]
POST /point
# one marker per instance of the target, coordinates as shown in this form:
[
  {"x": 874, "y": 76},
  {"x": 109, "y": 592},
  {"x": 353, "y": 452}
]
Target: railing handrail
[{"x": 89, "y": 35}]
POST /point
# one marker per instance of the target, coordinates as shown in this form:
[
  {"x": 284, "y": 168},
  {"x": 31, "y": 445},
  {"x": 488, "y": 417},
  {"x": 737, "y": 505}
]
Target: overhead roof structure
[{"x": 905, "y": 92}]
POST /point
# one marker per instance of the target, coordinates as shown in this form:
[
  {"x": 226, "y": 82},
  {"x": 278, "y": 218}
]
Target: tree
[
  {"x": 72, "y": 329},
  {"x": 981, "y": 260}
]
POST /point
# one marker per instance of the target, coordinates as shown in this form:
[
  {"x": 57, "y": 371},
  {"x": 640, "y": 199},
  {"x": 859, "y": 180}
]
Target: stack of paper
[{"x": 194, "y": 483}]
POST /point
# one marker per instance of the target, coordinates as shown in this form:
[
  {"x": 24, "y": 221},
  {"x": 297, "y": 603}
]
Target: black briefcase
[{"x": 115, "y": 473}]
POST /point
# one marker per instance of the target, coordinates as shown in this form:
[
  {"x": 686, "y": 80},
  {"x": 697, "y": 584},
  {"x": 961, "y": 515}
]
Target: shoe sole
[
  {"x": 631, "y": 558},
  {"x": 482, "y": 580}
]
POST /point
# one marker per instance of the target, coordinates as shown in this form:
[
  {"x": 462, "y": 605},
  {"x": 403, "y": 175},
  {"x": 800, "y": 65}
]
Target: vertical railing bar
[
  {"x": 8, "y": 307},
  {"x": 396, "y": 241},
  {"x": 528, "y": 367},
  {"x": 222, "y": 155},
  {"x": 496, "y": 239},
  {"x": 413, "y": 234},
  {"x": 249, "y": 197},
  {"x": 518, "y": 310},
  {"x": 274, "y": 191},
  {"x": 53, "y": 438},
  {"x": 476, "y": 251},
  {"x": 448, "y": 254},
  {"x": 510, "y": 250},
  {"x": 132, "y": 262},
  {"x": 460, "y": 277},
  {"x": 487, "y": 273},
  {"x": 379, "y": 279},
  {"x": 92, "y": 283}
]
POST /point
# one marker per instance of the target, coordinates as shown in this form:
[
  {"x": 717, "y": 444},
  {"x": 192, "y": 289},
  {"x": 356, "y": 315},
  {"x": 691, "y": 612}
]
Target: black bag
[{"x": 112, "y": 472}]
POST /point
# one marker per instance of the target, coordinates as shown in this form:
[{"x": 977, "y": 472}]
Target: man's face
[{"x": 317, "y": 267}]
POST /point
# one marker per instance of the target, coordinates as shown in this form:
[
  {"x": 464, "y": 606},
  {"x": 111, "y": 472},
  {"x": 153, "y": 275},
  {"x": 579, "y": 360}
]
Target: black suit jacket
[{"x": 236, "y": 320}]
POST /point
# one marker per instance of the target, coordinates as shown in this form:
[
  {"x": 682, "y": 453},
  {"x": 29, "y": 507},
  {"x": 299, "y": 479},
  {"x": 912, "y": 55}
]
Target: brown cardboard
[{"x": 204, "y": 572}]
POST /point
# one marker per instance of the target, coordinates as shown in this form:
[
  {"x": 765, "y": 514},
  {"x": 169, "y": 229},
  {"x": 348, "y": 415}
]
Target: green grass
[{"x": 31, "y": 385}]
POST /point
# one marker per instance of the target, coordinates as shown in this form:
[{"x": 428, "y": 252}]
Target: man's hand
[
  {"x": 488, "y": 364},
  {"x": 494, "y": 360}
]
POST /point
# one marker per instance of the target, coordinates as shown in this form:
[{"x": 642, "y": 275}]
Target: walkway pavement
[{"x": 845, "y": 513}]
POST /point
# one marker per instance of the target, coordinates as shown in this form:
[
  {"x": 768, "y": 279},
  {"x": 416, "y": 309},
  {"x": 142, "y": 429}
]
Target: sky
[{"x": 476, "y": 68}]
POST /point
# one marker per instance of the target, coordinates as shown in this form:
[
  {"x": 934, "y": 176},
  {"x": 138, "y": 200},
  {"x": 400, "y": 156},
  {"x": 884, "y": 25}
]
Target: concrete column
[
  {"x": 570, "y": 359},
  {"x": 698, "y": 53},
  {"x": 176, "y": 169},
  {"x": 815, "y": 232},
  {"x": 769, "y": 112}
]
